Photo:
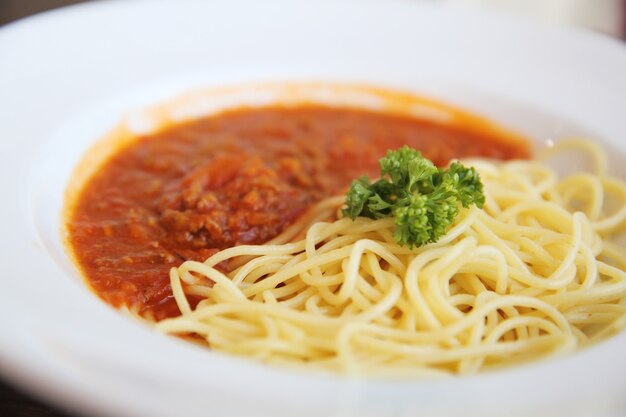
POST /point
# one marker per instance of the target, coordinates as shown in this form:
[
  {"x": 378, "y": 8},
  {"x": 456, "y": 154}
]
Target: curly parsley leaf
[{"x": 423, "y": 199}]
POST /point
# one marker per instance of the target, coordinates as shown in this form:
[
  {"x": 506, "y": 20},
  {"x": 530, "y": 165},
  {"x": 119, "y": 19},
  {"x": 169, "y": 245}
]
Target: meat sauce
[{"x": 240, "y": 177}]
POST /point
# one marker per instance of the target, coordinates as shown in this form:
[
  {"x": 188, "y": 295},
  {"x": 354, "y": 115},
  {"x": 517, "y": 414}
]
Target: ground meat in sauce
[
  {"x": 235, "y": 199},
  {"x": 236, "y": 178}
]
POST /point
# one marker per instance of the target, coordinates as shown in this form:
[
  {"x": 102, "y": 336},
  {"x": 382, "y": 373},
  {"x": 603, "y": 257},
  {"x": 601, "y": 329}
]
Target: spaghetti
[{"x": 536, "y": 273}]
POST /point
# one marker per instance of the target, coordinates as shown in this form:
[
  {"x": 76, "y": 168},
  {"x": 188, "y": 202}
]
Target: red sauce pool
[{"x": 236, "y": 178}]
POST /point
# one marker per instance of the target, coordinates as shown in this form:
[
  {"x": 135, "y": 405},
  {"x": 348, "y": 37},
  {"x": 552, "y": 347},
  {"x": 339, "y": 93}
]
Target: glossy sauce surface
[{"x": 236, "y": 178}]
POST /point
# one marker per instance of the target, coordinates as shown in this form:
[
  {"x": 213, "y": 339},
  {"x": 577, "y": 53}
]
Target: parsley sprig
[{"x": 424, "y": 200}]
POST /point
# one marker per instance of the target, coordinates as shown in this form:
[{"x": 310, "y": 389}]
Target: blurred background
[{"x": 604, "y": 16}]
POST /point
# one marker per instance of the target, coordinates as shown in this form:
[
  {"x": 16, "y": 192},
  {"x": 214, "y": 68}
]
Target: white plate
[{"x": 67, "y": 76}]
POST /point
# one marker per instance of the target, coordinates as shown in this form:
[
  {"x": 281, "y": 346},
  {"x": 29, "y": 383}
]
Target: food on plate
[
  {"x": 241, "y": 177},
  {"x": 532, "y": 274},
  {"x": 356, "y": 241}
]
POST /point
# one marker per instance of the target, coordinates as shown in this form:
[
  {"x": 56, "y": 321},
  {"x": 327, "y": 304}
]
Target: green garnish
[{"x": 423, "y": 199}]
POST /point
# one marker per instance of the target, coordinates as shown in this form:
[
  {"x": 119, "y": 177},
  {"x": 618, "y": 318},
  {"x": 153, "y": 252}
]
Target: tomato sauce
[{"x": 240, "y": 177}]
